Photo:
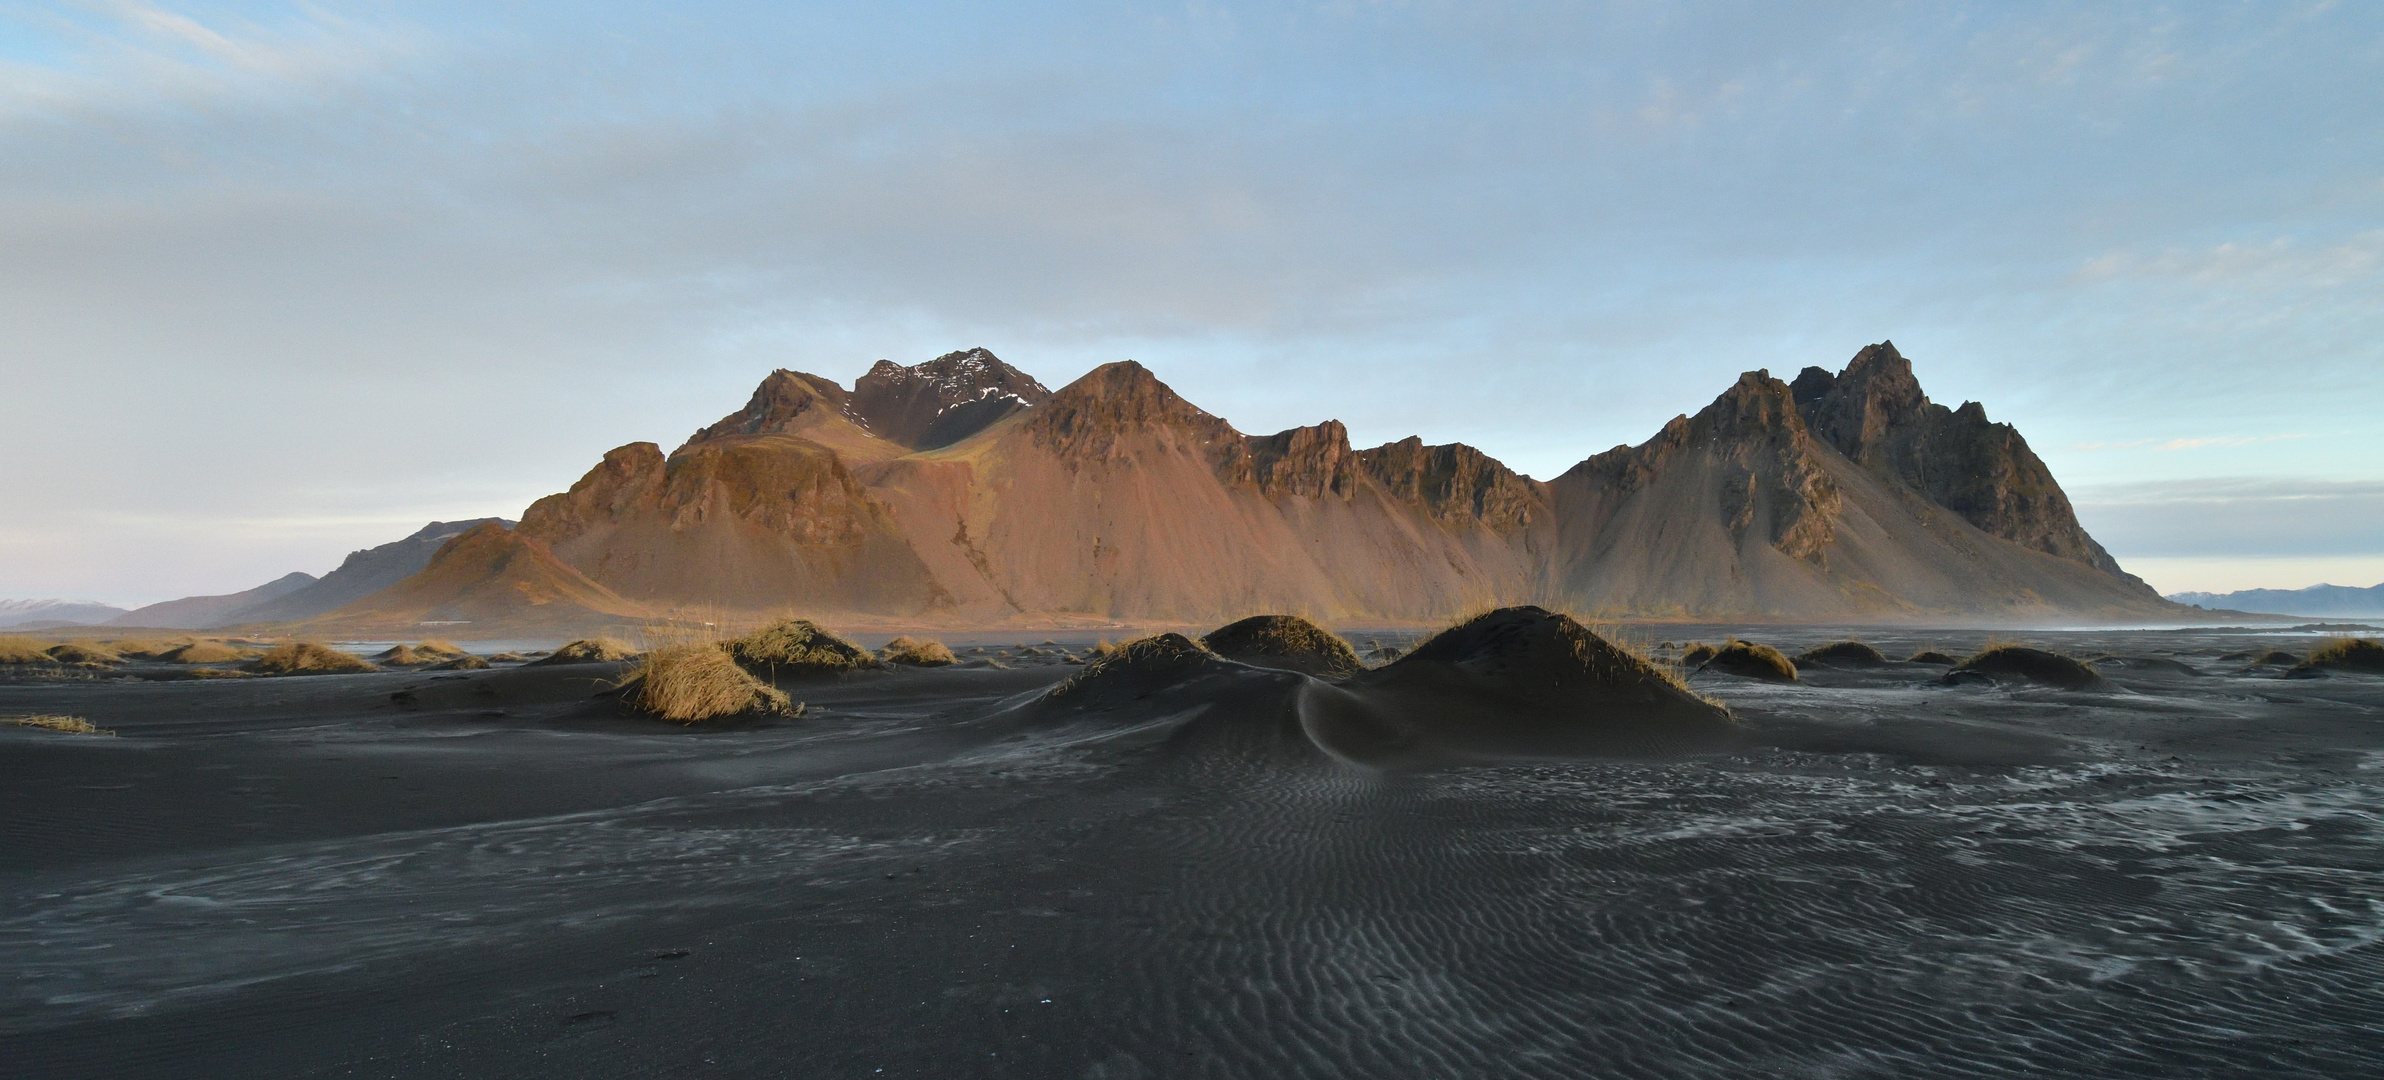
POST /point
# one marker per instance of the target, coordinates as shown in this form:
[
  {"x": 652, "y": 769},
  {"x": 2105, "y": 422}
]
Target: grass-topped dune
[
  {"x": 2345, "y": 654},
  {"x": 596, "y": 650},
  {"x": 1516, "y": 681},
  {"x": 1287, "y": 642},
  {"x": 1751, "y": 660},
  {"x": 798, "y": 647},
  {"x": 699, "y": 681},
  {"x": 309, "y": 658},
  {"x": 2021, "y": 663},
  {"x": 1843, "y": 654},
  {"x": 205, "y": 652},
  {"x": 916, "y": 652}
]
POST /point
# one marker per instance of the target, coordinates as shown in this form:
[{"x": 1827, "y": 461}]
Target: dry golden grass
[
  {"x": 917, "y": 652},
  {"x": 1105, "y": 647},
  {"x": 204, "y": 652},
  {"x": 18, "y": 649},
  {"x": 798, "y": 647},
  {"x": 309, "y": 658},
  {"x": 84, "y": 652},
  {"x": 1285, "y": 641},
  {"x": 138, "y": 649},
  {"x": 2349, "y": 654},
  {"x": 72, "y": 725},
  {"x": 466, "y": 662},
  {"x": 698, "y": 681},
  {"x": 1931, "y": 656},
  {"x": 596, "y": 650},
  {"x": 1697, "y": 654}
]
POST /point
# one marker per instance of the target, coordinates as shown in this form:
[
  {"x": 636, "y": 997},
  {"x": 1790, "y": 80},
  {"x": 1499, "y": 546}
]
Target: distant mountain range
[
  {"x": 2331, "y": 600},
  {"x": 961, "y": 491},
  {"x": 299, "y": 596},
  {"x": 26, "y": 614}
]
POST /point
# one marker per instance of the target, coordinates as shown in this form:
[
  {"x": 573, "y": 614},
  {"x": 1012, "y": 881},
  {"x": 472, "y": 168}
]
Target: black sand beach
[{"x": 2180, "y": 873}]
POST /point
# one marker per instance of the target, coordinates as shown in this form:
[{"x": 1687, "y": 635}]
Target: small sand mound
[
  {"x": 84, "y": 652},
  {"x": 309, "y": 658},
  {"x": 1931, "y": 656},
  {"x": 72, "y": 725},
  {"x": 694, "y": 683},
  {"x": 22, "y": 650},
  {"x": 1285, "y": 642},
  {"x": 1846, "y": 653},
  {"x": 510, "y": 658},
  {"x": 1750, "y": 660},
  {"x": 466, "y": 662},
  {"x": 602, "y": 650},
  {"x": 1697, "y": 654},
  {"x": 2347, "y": 654},
  {"x": 916, "y": 652},
  {"x": 1138, "y": 668},
  {"x": 2033, "y": 665},
  {"x": 204, "y": 652},
  {"x": 798, "y": 647}
]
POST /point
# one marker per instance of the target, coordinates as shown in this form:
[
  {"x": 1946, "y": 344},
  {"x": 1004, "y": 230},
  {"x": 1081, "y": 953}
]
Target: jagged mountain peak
[
  {"x": 941, "y": 401},
  {"x": 1089, "y": 415},
  {"x": 785, "y": 402}
]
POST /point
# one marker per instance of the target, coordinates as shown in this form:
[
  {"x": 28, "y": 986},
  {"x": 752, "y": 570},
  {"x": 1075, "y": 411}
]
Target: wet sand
[{"x": 2179, "y": 875}]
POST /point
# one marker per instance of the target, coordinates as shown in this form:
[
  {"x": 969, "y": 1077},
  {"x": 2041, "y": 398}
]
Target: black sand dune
[{"x": 947, "y": 872}]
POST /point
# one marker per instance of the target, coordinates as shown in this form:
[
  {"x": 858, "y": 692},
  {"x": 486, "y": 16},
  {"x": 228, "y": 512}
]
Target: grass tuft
[
  {"x": 916, "y": 652},
  {"x": 798, "y": 647},
  {"x": 596, "y": 650},
  {"x": 700, "y": 681},
  {"x": 2347, "y": 654},
  {"x": 72, "y": 725},
  {"x": 84, "y": 652},
  {"x": 204, "y": 652},
  {"x": 309, "y": 658}
]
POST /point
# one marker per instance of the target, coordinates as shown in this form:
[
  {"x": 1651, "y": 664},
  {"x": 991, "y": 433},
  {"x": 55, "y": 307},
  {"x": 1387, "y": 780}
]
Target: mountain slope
[
  {"x": 487, "y": 577},
  {"x": 361, "y": 574},
  {"x": 959, "y": 491},
  {"x": 203, "y": 612}
]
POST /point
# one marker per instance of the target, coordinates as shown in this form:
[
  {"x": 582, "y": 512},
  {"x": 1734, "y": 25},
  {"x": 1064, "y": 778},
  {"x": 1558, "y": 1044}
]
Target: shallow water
[{"x": 2182, "y": 875}]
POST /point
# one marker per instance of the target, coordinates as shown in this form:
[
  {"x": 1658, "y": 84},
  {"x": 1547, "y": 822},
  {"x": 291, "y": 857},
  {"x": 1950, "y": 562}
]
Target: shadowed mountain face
[
  {"x": 942, "y": 401},
  {"x": 960, "y": 491}
]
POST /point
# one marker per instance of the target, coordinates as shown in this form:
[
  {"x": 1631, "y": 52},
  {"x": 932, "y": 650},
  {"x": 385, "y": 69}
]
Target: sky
[{"x": 281, "y": 281}]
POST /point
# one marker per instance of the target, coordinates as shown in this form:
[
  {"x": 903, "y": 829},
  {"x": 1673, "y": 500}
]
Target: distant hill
[
  {"x": 2365, "y": 603},
  {"x": 363, "y": 573},
  {"x": 203, "y": 612},
  {"x": 38, "y": 613},
  {"x": 299, "y": 596},
  {"x": 959, "y": 491}
]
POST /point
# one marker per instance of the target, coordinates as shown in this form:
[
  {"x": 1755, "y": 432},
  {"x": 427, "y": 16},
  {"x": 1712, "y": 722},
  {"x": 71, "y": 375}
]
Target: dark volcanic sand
[{"x": 2180, "y": 875}]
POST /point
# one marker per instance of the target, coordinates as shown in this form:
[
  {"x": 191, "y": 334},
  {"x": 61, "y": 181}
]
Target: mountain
[
  {"x": 960, "y": 491},
  {"x": 29, "y": 614},
  {"x": 2327, "y": 600},
  {"x": 484, "y": 575},
  {"x": 203, "y": 612},
  {"x": 362, "y": 574}
]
